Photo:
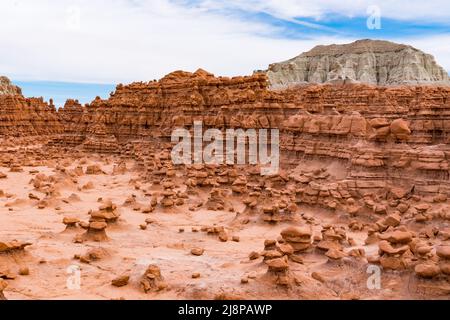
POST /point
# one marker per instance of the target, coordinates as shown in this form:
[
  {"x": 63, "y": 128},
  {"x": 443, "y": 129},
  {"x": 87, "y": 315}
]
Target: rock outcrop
[
  {"x": 13, "y": 247},
  {"x": 366, "y": 61},
  {"x": 152, "y": 280},
  {"x": 3, "y": 286},
  {"x": 22, "y": 117},
  {"x": 362, "y": 167},
  {"x": 7, "y": 88},
  {"x": 380, "y": 137}
]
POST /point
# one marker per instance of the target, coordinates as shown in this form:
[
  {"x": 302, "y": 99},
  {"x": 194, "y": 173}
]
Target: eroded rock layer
[
  {"x": 363, "y": 185},
  {"x": 377, "y": 136},
  {"x": 365, "y": 61},
  {"x": 21, "y": 117}
]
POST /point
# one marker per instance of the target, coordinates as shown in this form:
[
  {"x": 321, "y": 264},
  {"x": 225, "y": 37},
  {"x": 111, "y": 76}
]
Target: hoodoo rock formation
[
  {"x": 22, "y": 116},
  {"x": 366, "y": 61},
  {"x": 380, "y": 137}
]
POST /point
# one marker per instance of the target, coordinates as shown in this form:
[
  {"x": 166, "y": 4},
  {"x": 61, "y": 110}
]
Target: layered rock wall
[
  {"x": 366, "y": 61},
  {"x": 27, "y": 117},
  {"x": 379, "y": 135},
  {"x": 376, "y": 136}
]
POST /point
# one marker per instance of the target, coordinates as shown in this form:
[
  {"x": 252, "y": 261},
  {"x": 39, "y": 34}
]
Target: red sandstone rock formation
[
  {"x": 27, "y": 117},
  {"x": 380, "y": 136},
  {"x": 375, "y": 158},
  {"x": 378, "y": 131}
]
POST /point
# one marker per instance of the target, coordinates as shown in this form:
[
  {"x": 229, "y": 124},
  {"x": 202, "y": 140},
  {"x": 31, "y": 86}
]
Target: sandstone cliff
[
  {"x": 366, "y": 61},
  {"x": 378, "y": 136},
  {"x": 21, "y": 117}
]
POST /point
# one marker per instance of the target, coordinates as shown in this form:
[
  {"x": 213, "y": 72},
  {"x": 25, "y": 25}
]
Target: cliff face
[
  {"x": 150, "y": 110},
  {"x": 7, "y": 88},
  {"x": 377, "y": 136},
  {"x": 365, "y": 61},
  {"x": 21, "y": 117}
]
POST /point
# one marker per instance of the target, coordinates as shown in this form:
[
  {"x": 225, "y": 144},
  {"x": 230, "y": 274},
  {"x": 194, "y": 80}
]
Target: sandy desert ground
[{"x": 196, "y": 253}]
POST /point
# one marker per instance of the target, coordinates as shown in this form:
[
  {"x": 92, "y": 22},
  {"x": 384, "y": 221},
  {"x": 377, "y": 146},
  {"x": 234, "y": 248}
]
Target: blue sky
[
  {"x": 61, "y": 91},
  {"x": 120, "y": 41},
  {"x": 330, "y": 20}
]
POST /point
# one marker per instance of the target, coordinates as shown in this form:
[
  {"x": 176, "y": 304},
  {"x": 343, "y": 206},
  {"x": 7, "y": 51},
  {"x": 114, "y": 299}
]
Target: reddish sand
[{"x": 130, "y": 250}]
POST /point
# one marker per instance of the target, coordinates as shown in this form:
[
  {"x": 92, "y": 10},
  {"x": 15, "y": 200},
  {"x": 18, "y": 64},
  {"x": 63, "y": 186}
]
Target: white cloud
[
  {"x": 431, "y": 10},
  {"x": 123, "y": 40},
  {"x": 438, "y": 46}
]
